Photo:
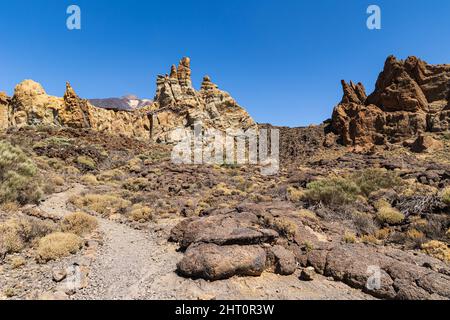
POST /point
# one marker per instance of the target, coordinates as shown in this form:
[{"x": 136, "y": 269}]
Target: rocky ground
[{"x": 316, "y": 230}]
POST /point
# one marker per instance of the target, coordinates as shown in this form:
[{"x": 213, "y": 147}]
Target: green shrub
[
  {"x": 86, "y": 162},
  {"x": 371, "y": 180},
  {"x": 18, "y": 176},
  {"x": 333, "y": 191}
]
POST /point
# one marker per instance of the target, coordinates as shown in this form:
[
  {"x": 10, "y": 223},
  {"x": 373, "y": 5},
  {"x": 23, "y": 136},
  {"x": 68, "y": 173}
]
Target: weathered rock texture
[
  {"x": 410, "y": 97},
  {"x": 4, "y": 102},
  {"x": 177, "y": 105}
]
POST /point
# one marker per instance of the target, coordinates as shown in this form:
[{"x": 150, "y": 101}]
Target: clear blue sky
[{"x": 281, "y": 59}]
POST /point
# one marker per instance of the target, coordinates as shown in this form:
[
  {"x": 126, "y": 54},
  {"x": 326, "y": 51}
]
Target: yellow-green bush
[
  {"x": 371, "y": 180},
  {"x": 387, "y": 214},
  {"x": 79, "y": 223},
  {"x": 86, "y": 162},
  {"x": 446, "y": 196},
  {"x": 18, "y": 176},
  {"x": 58, "y": 245},
  {"x": 332, "y": 191}
]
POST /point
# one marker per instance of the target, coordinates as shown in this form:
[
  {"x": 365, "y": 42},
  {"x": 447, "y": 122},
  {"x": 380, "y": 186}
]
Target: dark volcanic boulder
[
  {"x": 235, "y": 228},
  {"x": 213, "y": 262}
]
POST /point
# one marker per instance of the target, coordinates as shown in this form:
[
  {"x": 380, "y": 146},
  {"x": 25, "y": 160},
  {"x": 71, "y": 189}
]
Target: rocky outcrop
[
  {"x": 410, "y": 97},
  {"x": 4, "y": 102},
  {"x": 179, "y": 105},
  {"x": 176, "y": 105}
]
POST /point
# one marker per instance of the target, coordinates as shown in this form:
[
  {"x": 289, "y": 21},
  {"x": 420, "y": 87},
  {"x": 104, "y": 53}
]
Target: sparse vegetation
[
  {"x": 437, "y": 249},
  {"x": 79, "y": 223},
  {"x": 104, "y": 204},
  {"x": 58, "y": 245},
  {"x": 86, "y": 163},
  {"x": 18, "y": 176},
  {"x": 387, "y": 214},
  {"x": 446, "y": 196},
  {"x": 349, "y": 237},
  {"x": 140, "y": 212},
  {"x": 371, "y": 180},
  {"x": 332, "y": 191},
  {"x": 89, "y": 179}
]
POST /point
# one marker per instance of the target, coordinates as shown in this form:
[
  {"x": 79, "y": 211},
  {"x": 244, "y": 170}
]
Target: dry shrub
[
  {"x": 17, "y": 233},
  {"x": 308, "y": 214},
  {"x": 104, "y": 204},
  {"x": 79, "y": 223},
  {"x": 294, "y": 194},
  {"x": 18, "y": 176},
  {"x": 135, "y": 184},
  {"x": 140, "y": 212},
  {"x": 285, "y": 227},
  {"x": 58, "y": 245},
  {"x": 111, "y": 175},
  {"x": 89, "y": 179},
  {"x": 437, "y": 249},
  {"x": 369, "y": 239},
  {"x": 17, "y": 262},
  {"x": 349, "y": 237},
  {"x": 387, "y": 214},
  {"x": 382, "y": 234}
]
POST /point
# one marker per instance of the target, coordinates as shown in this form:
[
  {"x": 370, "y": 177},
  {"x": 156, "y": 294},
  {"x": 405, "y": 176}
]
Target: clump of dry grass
[
  {"x": 89, "y": 179},
  {"x": 79, "y": 223},
  {"x": 349, "y": 237},
  {"x": 437, "y": 249},
  {"x": 87, "y": 163},
  {"x": 294, "y": 194},
  {"x": 104, "y": 204},
  {"x": 17, "y": 233},
  {"x": 58, "y": 245},
  {"x": 140, "y": 212}
]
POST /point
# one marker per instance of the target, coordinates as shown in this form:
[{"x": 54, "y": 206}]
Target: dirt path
[{"x": 134, "y": 264}]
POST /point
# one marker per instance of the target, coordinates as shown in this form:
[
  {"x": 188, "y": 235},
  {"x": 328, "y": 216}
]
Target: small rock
[
  {"x": 59, "y": 275},
  {"x": 308, "y": 274}
]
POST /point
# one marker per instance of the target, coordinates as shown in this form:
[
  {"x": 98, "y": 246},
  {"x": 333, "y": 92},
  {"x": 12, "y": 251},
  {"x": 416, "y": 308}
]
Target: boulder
[
  {"x": 228, "y": 229},
  {"x": 213, "y": 262},
  {"x": 283, "y": 260},
  {"x": 425, "y": 143}
]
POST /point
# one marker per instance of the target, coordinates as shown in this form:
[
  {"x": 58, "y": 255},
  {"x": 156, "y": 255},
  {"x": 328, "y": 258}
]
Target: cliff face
[
  {"x": 411, "y": 97},
  {"x": 177, "y": 105}
]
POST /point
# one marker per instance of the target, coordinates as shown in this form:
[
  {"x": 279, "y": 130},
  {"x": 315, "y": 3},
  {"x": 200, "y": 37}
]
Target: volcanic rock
[
  {"x": 410, "y": 97},
  {"x": 425, "y": 143},
  {"x": 213, "y": 262}
]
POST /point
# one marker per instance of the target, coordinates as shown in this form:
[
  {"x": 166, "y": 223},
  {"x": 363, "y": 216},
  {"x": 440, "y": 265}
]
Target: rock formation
[
  {"x": 176, "y": 105},
  {"x": 411, "y": 97},
  {"x": 4, "y": 102}
]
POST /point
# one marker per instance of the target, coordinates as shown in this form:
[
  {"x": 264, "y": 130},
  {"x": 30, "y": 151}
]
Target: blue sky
[{"x": 281, "y": 59}]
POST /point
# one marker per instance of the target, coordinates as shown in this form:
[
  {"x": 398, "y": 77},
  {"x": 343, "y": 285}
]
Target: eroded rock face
[
  {"x": 411, "y": 97},
  {"x": 177, "y": 105},
  {"x": 4, "y": 102}
]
